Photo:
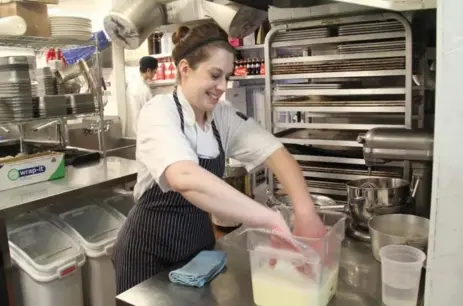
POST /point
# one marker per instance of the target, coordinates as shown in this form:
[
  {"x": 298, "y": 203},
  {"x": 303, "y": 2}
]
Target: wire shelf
[{"x": 39, "y": 43}]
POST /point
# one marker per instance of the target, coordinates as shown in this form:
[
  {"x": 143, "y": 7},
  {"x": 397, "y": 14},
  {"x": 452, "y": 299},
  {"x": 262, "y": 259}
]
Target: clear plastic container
[
  {"x": 96, "y": 229},
  {"x": 302, "y": 272},
  {"x": 120, "y": 200},
  {"x": 401, "y": 267},
  {"x": 49, "y": 262}
]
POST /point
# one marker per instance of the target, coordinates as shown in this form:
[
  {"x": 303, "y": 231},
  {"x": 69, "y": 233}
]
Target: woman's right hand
[{"x": 283, "y": 238}]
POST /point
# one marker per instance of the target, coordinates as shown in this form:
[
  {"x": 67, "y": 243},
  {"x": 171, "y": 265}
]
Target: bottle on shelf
[
  {"x": 161, "y": 71},
  {"x": 262, "y": 67},
  {"x": 156, "y": 43}
]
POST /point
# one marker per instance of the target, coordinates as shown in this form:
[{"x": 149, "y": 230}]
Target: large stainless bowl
[
  {"x": 398, "y": 229},
  {"x": 370, "y": 197}
]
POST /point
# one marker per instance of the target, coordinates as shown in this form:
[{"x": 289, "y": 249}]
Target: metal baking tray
[
  {"x": 346, "y": 170},
  {"x": 50, "y": 105},
  {"x": 319, "y": 134},
  {"x": 370, "y": 28},
  {"x": 341, "y": 66},
  {"x": 302, "y": 34},
  {"x": 75, "y": 100},
  {"x": 11, "y": 60},
  {"x": 311, "y": 103},
  {"x": 308, "y": 86}
]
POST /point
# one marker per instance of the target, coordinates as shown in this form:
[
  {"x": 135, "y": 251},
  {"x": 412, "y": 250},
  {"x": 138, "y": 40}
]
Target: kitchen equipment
[
  {"x": 49, "y": 262},
  {"x": 398, "y": 229},
  {"x": 383, "y": 145},
  {"x": 69, "y": 27},
  {"x": 130, "y": 24},
  {"x": 318, "y": 257},
  {"x": 237, "y": 176},
  {"x": 15, "y": 89},
  {"x": 237, "y": 20},
  {"x": 370, "y": 197},
  {"x": 13, "y": 25},
  {"x": 82, "y": 103},
  {"x": 95, "y": 228},
  {"x": 400, "y": 274},
  {"x": 50, "y": 106},
  {"x": 321, "y": 202},
  {"x": 46, "y": 82}
]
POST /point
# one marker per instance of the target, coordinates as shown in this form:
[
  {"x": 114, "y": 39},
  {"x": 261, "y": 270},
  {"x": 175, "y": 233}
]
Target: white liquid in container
[{"x": 284, "y": 285}]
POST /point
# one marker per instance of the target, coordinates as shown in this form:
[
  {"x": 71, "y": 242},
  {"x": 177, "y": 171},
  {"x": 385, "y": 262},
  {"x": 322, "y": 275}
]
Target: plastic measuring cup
[{"x": 400, "y": 274}]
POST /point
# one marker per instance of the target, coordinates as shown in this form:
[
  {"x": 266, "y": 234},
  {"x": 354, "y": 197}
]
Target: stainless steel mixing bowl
[
  {"x": 398, "y": 229},
  {"x": 370, "y": 197}
]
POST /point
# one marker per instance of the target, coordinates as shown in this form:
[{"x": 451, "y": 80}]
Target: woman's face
[{"x": 204, "y": 85}]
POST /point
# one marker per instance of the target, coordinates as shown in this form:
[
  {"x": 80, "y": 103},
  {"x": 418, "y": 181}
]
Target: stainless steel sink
[
  {"x": 123, "y": 147},
  {"x": 85, "y": 136}
]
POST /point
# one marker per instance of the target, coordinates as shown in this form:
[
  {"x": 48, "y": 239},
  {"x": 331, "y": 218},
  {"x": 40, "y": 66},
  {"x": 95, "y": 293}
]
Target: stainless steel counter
[
  {"x": 359, "y": 283},
  {"x": 105, "y": 173}
]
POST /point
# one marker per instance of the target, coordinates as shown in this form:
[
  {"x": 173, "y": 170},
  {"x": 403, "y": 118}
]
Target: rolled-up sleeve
[
  {"x": 245, "y": 139},
  {"x": 160, "y": 140}
]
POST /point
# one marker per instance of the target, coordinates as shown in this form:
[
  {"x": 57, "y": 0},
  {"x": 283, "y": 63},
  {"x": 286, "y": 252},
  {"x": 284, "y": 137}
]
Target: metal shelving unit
[
  {"x": 41, "y": 43},
  {"x": 330, "y": 80}
]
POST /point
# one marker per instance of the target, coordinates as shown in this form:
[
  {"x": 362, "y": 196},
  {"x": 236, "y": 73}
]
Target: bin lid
[
  {"x": 41, "y": 249},
  {"x": 118, "y": 204},
  {"x": 94, "y": 227}
]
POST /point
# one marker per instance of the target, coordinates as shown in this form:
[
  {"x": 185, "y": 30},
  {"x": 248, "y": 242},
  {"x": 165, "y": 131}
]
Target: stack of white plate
[{"x": 67, "y": 27}]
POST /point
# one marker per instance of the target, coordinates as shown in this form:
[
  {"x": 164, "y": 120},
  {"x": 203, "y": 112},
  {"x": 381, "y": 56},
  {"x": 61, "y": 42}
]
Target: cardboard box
[
  {"x": 31, "y": 169},
  {"x": 35, "y": 14}
]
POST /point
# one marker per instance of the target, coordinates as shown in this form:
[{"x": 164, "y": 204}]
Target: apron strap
[{"x": 179, "y": 110}]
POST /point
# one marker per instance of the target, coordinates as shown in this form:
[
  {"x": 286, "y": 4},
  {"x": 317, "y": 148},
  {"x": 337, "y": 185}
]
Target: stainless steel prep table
[
  {"x": 110, "y": 171},
  {"x": 359, "y": 283}
]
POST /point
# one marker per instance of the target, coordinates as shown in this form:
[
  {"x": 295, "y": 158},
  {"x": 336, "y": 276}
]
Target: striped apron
[{"x": 163, "y": 230}]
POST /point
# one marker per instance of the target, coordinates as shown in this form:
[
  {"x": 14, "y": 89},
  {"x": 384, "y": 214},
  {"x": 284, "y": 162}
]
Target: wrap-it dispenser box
[{"x": 30, "y": 169}]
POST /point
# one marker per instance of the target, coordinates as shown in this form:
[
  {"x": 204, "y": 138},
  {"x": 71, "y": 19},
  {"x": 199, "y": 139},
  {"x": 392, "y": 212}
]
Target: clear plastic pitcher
[
  {"x": 296, "y": 271},
  {"x": 401, "y": 267}
]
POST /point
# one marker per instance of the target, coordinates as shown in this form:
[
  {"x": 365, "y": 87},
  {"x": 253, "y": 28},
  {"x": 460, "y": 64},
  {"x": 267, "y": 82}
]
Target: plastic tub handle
[
  {"x": 67, "y": 270},
  {"x": 109, "y": 249}
]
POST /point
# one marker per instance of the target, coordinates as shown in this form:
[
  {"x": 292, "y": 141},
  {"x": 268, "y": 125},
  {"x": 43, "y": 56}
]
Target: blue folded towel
[{"x": 200, "y": 270}]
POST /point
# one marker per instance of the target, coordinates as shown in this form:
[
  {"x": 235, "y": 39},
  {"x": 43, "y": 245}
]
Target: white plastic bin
[
  {"x": 49, "y": 262},
  {"x": 96, "y": 229}
]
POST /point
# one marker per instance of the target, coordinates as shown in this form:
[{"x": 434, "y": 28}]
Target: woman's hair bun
[{"x": 181, "y": 32}]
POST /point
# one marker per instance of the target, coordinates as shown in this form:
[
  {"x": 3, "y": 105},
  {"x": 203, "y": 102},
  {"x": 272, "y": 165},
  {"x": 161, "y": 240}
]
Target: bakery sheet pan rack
[{"x": 330, "y": 80}]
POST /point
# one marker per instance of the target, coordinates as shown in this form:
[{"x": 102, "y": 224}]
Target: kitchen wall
[{"x": 444, "y": 273}]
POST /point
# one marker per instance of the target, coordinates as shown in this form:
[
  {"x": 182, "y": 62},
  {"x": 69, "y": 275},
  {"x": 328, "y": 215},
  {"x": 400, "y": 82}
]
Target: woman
[{"x": 182, "y": 142}]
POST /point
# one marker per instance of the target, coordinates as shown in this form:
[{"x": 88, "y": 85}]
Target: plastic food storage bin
[
  {"x": 49, "y": 262},
  {"x": 121, "y": 201},
  {"x": 96, "y": 229},
  {"x": 300, "y": 274}
]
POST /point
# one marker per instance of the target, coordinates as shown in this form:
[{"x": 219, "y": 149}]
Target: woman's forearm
[
  {"x": 215, "y": 196},
  {"x": 289, "y": 174}
]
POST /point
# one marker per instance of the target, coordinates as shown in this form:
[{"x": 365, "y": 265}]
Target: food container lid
[{"x": 42, "y": 249}]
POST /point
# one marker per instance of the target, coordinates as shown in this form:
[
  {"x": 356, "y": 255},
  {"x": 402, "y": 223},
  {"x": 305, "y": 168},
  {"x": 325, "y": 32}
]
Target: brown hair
[{"x": 194, "y": 44}]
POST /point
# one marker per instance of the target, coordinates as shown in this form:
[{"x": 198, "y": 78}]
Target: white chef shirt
[
  {"x": 138, "y": 93},
  {"x": 161, "y": 142}
]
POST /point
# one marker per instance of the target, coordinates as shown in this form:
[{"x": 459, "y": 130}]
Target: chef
[
  {"x": 138, "y": 93},
  {"x": 183, "y": 140}
]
